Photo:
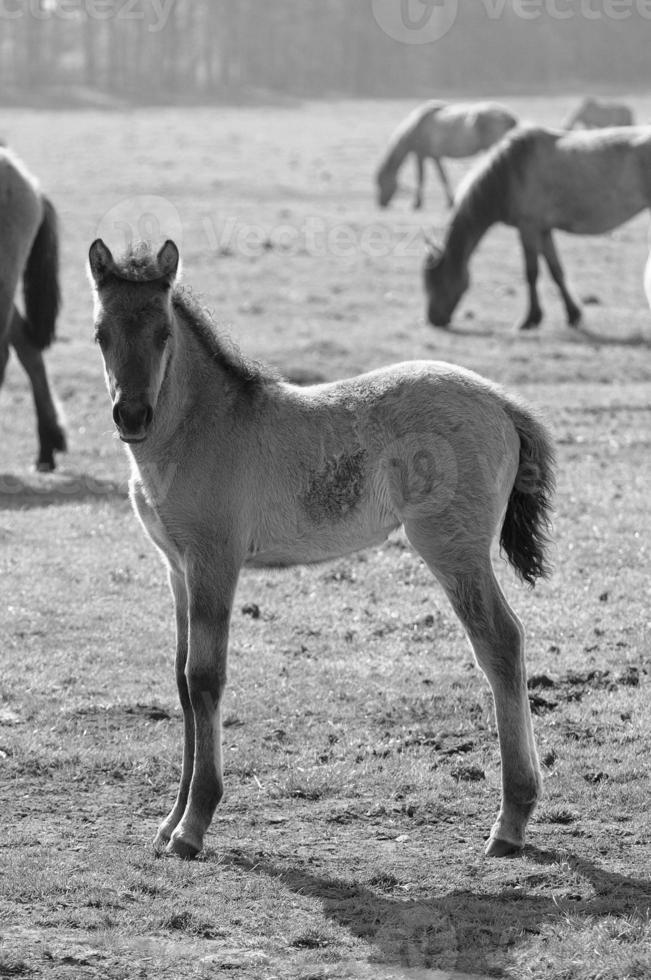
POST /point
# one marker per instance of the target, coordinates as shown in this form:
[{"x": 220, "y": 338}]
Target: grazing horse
[
  {"x": 536, "y": 180},
  {"x": 231, "y": 466},
  {"x": 29, "y": 245},
  {"x": 438, "y": 129},
  {"x": 591, "y": 114}
]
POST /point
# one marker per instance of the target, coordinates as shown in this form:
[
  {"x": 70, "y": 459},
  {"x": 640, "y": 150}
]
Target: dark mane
[
  {"x": 486, "y": 197},
  {"x": 249, "y": 374}
]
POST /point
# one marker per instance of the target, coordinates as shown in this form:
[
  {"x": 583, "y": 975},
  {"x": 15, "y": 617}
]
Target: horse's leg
[
  {"x": 530, "y": 240},
  {"x": 4, "y": 356},
  {"x": 210, "y": 598},
  {"x": 449, "y": 196},
  {"x": 179, "y": 591},
  {"x": 497, "y": 638},
  {"x": 6, "y": 306},
  {"x": 51, "y": 434},
  {"x": 556, "y": 270},
  {"x": 420, "y": 181}
]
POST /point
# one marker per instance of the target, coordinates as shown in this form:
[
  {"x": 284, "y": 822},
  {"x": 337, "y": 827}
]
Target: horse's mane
[
  {"x": 484, "y": 196},
  {"x": 398, "y": 146},
  {"x": 140, "y": 264},
  {"x": 248, "y": 374}
]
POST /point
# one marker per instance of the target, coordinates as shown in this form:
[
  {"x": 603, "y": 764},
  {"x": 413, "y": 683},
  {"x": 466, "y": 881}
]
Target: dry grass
[{"x": 361, "y": 758}]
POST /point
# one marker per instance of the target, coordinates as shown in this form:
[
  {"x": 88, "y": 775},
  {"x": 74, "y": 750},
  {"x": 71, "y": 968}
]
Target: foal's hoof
[
  {"x": 182, "y": 849},
  {"x": 160, "y": 843},
  {"x": 498, "y": 848},
  {"x": 45, "y": 466}
]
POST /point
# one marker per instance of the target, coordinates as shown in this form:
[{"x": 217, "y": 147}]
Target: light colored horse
[
  {"x": 231, "y": 466},
  {"x": 29, "y": 247},
  {"x": 593, "y": 114},
  {"x": 536, "y": 180},
  {"x": 436, "y": 130}
]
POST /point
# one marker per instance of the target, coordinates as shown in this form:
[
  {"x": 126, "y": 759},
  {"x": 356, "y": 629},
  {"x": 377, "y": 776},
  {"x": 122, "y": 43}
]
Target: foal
[{"x": 231, "y": 466}]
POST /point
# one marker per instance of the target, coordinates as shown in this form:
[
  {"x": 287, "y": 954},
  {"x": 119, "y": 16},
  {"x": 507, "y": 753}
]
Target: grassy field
[{"x": 362, "y": 771}]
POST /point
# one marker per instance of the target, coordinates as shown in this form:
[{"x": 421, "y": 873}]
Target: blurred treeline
[{"x": 197, "y": 49}]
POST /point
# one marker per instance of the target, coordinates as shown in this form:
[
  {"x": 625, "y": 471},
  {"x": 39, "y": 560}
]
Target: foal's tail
[
  {"x": 527, "y": 524},
  {"x": 41, "y": 280}
]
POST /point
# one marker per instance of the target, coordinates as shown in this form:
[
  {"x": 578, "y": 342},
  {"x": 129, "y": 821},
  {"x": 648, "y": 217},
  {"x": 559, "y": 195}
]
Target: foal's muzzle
[{"x": 132, "y": 419}]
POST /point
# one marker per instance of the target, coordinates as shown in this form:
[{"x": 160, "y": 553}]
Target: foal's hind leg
[
  {"x": 51, "y": 434},
  {"x": 497, "y": 639},
  {"x": 556, "y": 270}
]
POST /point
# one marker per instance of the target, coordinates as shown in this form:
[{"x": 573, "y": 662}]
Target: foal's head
[
  {"x": 133, "y": 326},
  {"x": 444, "y": 285}
]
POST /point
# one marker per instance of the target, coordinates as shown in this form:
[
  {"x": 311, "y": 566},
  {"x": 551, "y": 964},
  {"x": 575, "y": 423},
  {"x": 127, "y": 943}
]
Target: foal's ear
[
  {"x": 168, "y": 261},
  {"x": 101, "y": 261}
]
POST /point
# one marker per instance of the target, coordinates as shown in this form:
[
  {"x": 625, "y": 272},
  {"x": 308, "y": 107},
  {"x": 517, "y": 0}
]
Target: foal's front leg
[
  {"x": 210, "y": 597},
  {"x": 169, "y": 824}
]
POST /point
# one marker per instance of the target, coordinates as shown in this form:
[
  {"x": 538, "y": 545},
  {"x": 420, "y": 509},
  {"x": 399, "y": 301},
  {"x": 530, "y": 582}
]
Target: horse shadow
[
  {"x": 461, "y": 930},
  {"x": 584, "y": 334},
  {"x": 26, "y": 492}
]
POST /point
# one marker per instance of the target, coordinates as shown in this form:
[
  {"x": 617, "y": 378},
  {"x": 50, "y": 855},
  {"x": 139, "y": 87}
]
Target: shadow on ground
[
  {"x": 25, "y": 492},
  {"x": 462, "y": 930}
]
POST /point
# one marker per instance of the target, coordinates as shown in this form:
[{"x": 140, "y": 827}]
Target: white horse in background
[
  {"x": 436, "y": 130},
  {"x": 594, "y": 114}
]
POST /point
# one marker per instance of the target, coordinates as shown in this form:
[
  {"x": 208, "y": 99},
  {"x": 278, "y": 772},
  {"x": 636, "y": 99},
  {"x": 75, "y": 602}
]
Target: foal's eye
[{"x": 102, "y": 340}]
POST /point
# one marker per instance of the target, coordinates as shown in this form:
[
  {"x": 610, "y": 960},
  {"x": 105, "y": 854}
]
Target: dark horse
[
  {"x": 536, "y": 180},
  {"x": 30, "y": 248}
]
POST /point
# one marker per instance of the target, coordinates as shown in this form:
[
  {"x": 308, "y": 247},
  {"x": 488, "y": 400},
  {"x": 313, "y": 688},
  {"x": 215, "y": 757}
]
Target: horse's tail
[
  {"x": 41, "y": 280},
  {"x": 525, "y": 534}
]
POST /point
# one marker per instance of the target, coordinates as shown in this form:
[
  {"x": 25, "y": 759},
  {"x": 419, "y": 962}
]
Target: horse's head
[
  {"x": 133, "y": 326},
  {"x": 444, "y": 285},
  {"x": 387, "y": 185}
]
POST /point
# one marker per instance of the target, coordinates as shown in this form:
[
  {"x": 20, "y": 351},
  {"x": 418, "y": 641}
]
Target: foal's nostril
[{"x": 116, "y": 414}]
